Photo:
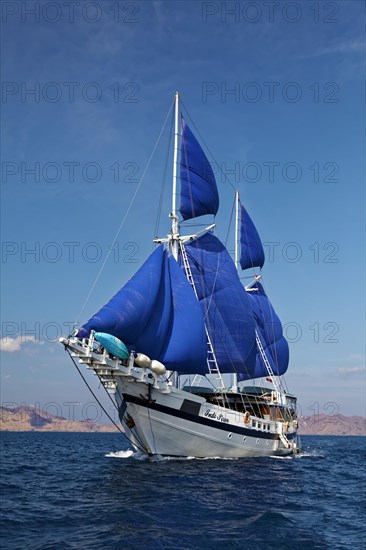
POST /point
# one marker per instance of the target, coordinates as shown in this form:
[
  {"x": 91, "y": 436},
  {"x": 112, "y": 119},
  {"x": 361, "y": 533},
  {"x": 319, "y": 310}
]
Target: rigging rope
[
  {"x": 124, "y": 217},
  {"x": 230, "y": 222},
  {"x": 203, "y": 141},
  {"x": 115, "y": 404},
  {"x": 161, "y": 198},
  {"x": 101, "y": 406}
]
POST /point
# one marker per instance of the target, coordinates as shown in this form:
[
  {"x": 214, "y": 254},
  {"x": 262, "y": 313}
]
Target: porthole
[
  {"x": 229, "y": 436},
  {"x": 244, "y": 439},
  {"x": 267, "y": 442},
  {"x": 257, "y": 442}
]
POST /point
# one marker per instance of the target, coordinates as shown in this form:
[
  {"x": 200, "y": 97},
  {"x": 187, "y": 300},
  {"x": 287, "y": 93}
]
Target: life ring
[{"x": 246, "y": 417}]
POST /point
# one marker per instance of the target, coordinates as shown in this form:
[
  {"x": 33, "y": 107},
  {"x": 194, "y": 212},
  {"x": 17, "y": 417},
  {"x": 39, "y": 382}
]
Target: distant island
[
  {"x": 336, "y": 424},
  {"x": 31, "y": 419}
]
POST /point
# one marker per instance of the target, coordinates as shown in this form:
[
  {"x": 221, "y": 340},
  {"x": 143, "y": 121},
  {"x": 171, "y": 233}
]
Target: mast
[
  {"x": 237, "y": 221},
  {"x": 173, "y": 215},
  {"x": 236, "y": 260}
]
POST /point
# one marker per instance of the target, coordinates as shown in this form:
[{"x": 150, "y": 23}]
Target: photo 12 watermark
[
  {"x": 272, "y": 171},
  {"x": 69, "y": 171},
  {"x": 16, "y": 334},
  {"x": 52, "y": 252},
  {"x": 74, "y": 411},
  {"x": 70, "y": 11},
  {"x": 266, "y": 11},
  {"x": 53, "y": 92},
  {"x": 271, "y": 92}
]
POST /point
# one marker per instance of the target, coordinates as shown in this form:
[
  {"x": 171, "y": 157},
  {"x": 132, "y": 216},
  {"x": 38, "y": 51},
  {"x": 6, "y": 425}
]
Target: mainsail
[
  {"x": 157, "y": 313},
  {"x": 225, "y": 304},
  {"x": 199, "y": 195},
  {"x": 252, "y": 253}
]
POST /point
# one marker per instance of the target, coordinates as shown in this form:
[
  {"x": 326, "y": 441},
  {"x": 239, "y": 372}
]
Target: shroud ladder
[{"x": 213, "y": 367}]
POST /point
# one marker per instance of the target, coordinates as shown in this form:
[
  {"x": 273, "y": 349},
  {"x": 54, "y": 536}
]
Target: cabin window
[{"x": 189, "y": 406}]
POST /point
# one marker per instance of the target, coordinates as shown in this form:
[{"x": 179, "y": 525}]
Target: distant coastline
[
  {"x": 31, "y": 419},
  {"x": 336, "y": 424}
]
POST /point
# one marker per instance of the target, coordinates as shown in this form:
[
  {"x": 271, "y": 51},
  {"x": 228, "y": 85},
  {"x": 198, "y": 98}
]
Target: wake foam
[
  {"x": 121, "y": 454},
  {"x": 137, "y": 455}
]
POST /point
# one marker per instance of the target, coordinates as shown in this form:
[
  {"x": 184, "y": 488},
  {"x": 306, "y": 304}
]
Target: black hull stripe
[{"x": 203, "y": 420}]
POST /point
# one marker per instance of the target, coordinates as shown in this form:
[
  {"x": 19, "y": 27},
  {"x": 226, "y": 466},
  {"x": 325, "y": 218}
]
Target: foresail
[
  {"x": 225, "y": 305},
  {"x": 199, "y": 195},
  {"x": 269, "y": 330},
  {"x": 156, "y": 313},
  {"x": 252, "y": 253}
]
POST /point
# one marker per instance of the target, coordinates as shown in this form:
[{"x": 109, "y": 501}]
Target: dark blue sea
[{"x": 86, "y": 490}]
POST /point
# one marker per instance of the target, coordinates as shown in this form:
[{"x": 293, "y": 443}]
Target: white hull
[{"x": 161, "y": 427}]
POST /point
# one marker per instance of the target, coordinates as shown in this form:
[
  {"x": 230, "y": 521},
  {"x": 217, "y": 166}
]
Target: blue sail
[
  {"x": 157, "y": 313},
  {"x": 269, "y": 330},
  {"x": 199, "y": 195},
  {"x": 225, "y": 304},
  {"x": 252, "y": 253}
]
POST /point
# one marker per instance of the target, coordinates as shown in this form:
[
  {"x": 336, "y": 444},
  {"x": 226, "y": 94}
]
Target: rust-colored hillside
[{"x": 30, "y": 419}]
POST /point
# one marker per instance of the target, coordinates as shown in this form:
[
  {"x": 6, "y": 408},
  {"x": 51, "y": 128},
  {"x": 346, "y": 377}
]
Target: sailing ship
[{"x": 193, "y": 358}]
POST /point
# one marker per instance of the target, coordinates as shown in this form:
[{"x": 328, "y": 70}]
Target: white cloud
[
  {"x": 344, "y": 47},
  {"x": 350, "y": 371},
  {"x": 351, "y": 45},
  {"x": 14, "y": 344},
  {"x": 348, "y": 47}
]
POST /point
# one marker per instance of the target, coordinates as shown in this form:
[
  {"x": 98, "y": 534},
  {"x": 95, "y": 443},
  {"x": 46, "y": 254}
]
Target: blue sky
[{"x": 278, "y": 94}]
